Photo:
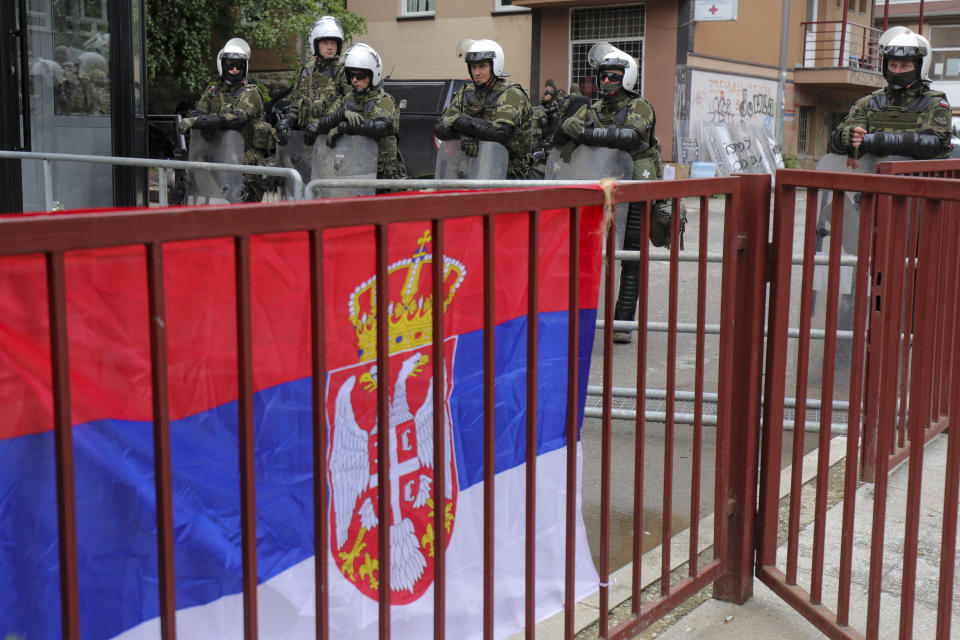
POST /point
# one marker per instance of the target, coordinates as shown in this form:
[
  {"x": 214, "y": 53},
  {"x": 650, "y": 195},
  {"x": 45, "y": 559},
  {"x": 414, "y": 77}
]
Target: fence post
[{"x": 737, "y": 558}]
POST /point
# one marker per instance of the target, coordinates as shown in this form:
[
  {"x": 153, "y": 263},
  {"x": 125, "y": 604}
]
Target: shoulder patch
[
  {"x": 944, "y": 103},
  {"x": 941, "y": 118}
]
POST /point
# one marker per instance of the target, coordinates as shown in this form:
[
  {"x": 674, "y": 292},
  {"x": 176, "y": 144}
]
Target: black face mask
[{"x": 901, "y": 80}]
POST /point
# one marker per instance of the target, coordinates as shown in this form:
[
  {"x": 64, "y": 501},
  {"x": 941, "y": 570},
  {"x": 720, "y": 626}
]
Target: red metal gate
[{"x": 903, "y": 387}]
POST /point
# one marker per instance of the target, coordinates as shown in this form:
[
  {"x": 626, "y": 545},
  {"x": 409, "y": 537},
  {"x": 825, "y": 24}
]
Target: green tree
[{"x": 180, "y": 32}]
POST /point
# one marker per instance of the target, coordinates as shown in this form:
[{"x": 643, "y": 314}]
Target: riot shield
[
  {"x": 209, "y": 186},
  {"x": 590, "y": 163},
  {"x": 295, "y": 155},
  {"x": 490, "y": 162},
  {"x": 849, "y": 238},
  {"x": 353, "y": 157}
]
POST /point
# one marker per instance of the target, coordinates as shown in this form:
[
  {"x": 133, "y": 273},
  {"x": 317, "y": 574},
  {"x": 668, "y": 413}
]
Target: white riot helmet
[
  {"x": 604, "y": 56},
  {"x": 324, "y": 28},
  {"x": 236, "y": 50},
  {"x": 363, "y": 56},
  {"x": 900, "y": 42},
  {"x": 480, "y": 50}
]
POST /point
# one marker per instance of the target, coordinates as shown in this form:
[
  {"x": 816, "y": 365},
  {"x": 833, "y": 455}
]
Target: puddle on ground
[{"x": 621, "y": 533}]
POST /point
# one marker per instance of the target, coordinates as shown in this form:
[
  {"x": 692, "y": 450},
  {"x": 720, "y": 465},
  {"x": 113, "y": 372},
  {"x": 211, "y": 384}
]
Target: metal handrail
[{"x": 161, "y": 165}]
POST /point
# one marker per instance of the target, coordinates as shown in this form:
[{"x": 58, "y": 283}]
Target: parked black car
[{"x": 420, "y": 103}]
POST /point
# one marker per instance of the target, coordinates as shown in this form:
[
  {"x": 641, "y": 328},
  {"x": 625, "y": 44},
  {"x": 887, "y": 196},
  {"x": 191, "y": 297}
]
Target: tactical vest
[
  {"x": 319, "y": 80},
  {"x": 222, "y": 103},
  {"x": 620, "y": 119},
  {"x": 520, "y": 144},
  {"x": 883, "y": 116}
]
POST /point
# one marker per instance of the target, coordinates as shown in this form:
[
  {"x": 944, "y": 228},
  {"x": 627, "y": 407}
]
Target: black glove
[
  {"x": 443, "y": 130},
  {"x": 310, "y": 134},
  {"x": 469, "y": 146},
  {"x": 918, "y": 145},
  {"x": 614, "y": 137},
  {"x": 482, "y": 129},
  {"x": 207, "y": 121},
  {"x": 283, "y": 131},
  {"x": 566, "y": 150}
]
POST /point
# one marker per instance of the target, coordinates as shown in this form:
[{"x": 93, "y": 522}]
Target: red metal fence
[
  {"x": 902, "y": 387},
  {"x": 905, "y": 366},
  {"x": 744, "y": 229}
]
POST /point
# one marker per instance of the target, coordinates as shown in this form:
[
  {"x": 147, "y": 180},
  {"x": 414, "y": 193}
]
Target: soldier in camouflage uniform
[
  {"x": 367, "y": 110},
  {"x": 622, "y": 119},
  {"x": 906, "y": 117},
  {"x": 232, "y": 104},
  {"x": 492, "y": 108},
  {"x": 319, "y": 85}
]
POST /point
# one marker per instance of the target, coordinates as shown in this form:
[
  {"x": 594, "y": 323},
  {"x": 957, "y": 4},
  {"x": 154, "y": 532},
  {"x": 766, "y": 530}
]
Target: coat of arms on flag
[{"x": 352, "y": 420}]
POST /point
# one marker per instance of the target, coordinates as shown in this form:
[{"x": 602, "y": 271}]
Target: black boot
[{"x": 629, "y": 293}]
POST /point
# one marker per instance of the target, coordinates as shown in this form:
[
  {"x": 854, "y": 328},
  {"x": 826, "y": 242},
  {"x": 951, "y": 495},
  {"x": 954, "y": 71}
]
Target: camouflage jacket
[
  {"x": 246, "y": 101},
  {"x": 922, "y": 110},
  {"x": 629, "y": 110},
  {"x": 503, "y": 103},
  {"x": 319, "y": 85},
  {"x": 377, "y": 106}
]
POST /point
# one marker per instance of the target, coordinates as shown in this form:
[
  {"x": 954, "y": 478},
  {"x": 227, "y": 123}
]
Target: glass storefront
[{"x": 70, "y": 85}]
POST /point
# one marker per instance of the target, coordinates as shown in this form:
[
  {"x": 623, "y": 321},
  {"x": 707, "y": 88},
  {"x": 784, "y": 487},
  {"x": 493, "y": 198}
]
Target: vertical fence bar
[
  {"x": 63, "y": 446},
  {"x": 920, "y": 396},
  {"x": 864, "y": 295},
  {"x": 704, "y": 224},
  {"x": 826, "y": 401},
  {"x": 439, "y": 436},
  {"x": 163, "y": 473},
  {"x": 606, "y": 430},
  {"x": 489, "y": 422},
  {"x": 907, "y": 345},
  {"x": 727, "y": 499},
  {"x": 640, "y": 423},
  {"x": 670, "y": 408},
  {"x": 573, "y": 379},
  {"x": 803, "y": 362},
  {"x": 776, "y": 362},
  {"x": 162, "y": 198},
  {"x": 891, "y": 306},
  {"x": 318, "y": 384},
  {"x": 743, "y": 342},
  {"x": 533, "y": 335},
  {"x": 248, "y": 498},
  {"x": 384, "y": 435},
  {"x": 951, "y": 492}
]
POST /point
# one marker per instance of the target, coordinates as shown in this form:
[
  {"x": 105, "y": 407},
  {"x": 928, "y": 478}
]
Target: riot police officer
[
  {"x": 367, "y": 110},
  {"x": 906, "y": 117},
  {"x": 491, "y": 108},
  {"x": 321, "y": 83},
  {"x": 232, "y": 104},
  {"x": 622, "y": 119}
]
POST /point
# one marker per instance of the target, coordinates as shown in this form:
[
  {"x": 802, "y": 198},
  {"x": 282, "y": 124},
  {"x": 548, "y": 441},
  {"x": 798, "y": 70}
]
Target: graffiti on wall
[{"x": 731, "y": 99}]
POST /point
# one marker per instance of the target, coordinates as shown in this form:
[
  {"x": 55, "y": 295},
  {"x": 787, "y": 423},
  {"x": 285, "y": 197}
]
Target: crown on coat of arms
[{"x": 410, "y": 317}]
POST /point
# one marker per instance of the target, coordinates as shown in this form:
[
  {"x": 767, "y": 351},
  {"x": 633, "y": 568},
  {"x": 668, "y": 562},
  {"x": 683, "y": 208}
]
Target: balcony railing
[{"x": 837, "y": 43}]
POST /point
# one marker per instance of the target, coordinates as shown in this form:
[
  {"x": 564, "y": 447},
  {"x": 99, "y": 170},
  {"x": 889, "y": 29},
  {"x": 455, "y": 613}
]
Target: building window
[
  {"x": 804, "y": 117},
  {"x": 863, "y": 6},
  {"x": 418, "y": 7},
  {"x": 945, "y": 47},
  {"x": 506, "y": 5},
  {"x": 621, "y": 26}
]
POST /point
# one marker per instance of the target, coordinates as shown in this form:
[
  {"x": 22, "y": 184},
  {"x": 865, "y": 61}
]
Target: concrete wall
[{"x": 426, "y": 48}]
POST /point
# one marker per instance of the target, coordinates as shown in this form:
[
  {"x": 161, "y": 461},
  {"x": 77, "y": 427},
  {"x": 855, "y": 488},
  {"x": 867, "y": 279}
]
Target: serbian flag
[{"x": 110, "y": 379}]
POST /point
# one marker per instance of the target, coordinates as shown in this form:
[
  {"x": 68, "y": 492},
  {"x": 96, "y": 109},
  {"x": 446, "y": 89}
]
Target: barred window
[
  {"x": 621, "y": 26},
  {"x": 804, "y": 118},
  {"x": 414, "y": 7}
]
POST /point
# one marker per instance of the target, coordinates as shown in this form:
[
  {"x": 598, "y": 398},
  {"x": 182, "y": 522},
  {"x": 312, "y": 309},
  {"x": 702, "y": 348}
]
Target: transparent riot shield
[
  {"x": 849, "y": 239},
  {"x": 295, "y": 155},
  {"x": 209, "y": 186},
  {"x": 594, "y": 163},
  {"x": 354, "y": 157},
  {"x": 490, "y": 162}
]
